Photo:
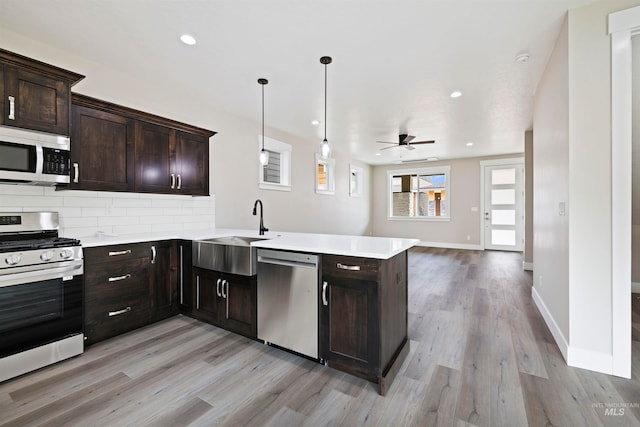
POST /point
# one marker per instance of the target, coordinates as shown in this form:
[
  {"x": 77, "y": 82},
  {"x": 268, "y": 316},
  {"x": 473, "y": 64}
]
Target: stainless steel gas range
[{"x": 41, "y": 293}]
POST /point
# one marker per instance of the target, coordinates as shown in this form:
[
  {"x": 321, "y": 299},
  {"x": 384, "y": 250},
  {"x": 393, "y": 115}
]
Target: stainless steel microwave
[{"x": 33, "y": 158}]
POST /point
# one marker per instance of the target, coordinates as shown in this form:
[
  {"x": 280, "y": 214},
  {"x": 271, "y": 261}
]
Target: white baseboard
[
  {"x": 635, "y": 287},
  {"x": 591, "y": 360},
  {"x": 561, "y": 341},
  {"x": 466, "y": 246},
  {"x": 528, "y": 266}
]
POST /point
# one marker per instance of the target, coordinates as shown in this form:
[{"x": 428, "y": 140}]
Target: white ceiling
[{"x": 395, "y": 62}]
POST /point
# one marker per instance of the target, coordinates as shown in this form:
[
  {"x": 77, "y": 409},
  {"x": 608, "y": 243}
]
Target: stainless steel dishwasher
[{"x": 288, "y": 300}]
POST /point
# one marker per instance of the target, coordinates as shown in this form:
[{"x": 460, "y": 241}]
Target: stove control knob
[
  {"x": 12, "y": 259},
  {"x": 46, "y": 256},
  {"x": 66, "y": 253}
]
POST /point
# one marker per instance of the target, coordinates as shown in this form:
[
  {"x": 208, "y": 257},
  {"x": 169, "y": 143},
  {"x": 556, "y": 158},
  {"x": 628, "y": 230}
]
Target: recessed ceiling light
[
  {"x": 378, "y": 154},
  {"x": 315, "y": 122},
  {"x": 188, "y": 39},
  {"x": 456, "y": 94},
  {"x": 469, "y": 144},
  {"x": 523, "y": 57}
]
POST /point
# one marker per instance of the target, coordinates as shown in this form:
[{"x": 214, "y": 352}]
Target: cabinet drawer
[
  {"x": 350, "y": 267},
  {"x": 123, "y": 280},
  {"x": 108, "y": 319},
  {"x": 116, "y": 253}
]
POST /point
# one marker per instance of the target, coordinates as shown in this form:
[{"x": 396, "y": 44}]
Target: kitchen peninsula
[{"x": 362, "y": 294}]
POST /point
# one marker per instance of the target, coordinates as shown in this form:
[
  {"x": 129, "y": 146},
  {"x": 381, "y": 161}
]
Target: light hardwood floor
[{"x": 480, "y": 355}]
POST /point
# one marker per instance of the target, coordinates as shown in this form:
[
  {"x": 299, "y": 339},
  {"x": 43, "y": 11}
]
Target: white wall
[
  {"x": 635, "y": 254},
  {"x": 550, "y": 187},
  {"x": 465, "y": 193},
  {"x": 233, "y": 162}
]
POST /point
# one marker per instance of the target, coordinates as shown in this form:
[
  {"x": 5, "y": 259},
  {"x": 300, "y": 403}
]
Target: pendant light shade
[
  {"x": 325, "y": 148},
  {"x": 264, "y": 154}
]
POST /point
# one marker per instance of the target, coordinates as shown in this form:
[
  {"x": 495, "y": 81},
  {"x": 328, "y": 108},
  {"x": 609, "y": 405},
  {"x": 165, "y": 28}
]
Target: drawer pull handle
[
  {"x": 12, "y": 108},
  {"x": 119, "y": 312},
  {"x": 325, "y": 285},
  {"x": 198, "y": 292},
  {"x": 115, "y": 253},
  {"x": 76, "y": 173},
  {"x": 118, "y": 278},
  {"x": 348, "y": 267},
  {"x": 153, "y": 254},
  {"x": 218, "y": 287}
]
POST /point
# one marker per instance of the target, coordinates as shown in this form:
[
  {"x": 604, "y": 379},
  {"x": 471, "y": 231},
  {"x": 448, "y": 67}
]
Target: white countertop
[{"x": 334, "y": 244}]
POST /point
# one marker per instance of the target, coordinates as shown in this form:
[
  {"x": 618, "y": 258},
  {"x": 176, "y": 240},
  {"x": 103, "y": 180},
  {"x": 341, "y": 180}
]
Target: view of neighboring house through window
[
  {"x": 419, "y": 194},
  {"x": 276, "y": 175}
]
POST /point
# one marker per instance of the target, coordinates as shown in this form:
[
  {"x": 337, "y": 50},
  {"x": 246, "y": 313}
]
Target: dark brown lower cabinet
[
  {"x": 164, "y": 278},
  {"x": 363, "y": 316},
  {"x": 185, "y": 292},
  {"x": 226, "y": 300}
]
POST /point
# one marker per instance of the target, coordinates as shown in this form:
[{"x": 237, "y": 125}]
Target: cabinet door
[
  {"x": 192, "y": 164},
  {"x": 349, "y": 330},
  {"x": 102, "y": 148},
  {"x": 209, "y": 303},
  {"x": 152, "y": 162},
  {"x": 164, "y": 278},
  {"x": 241, "y": 304},
  {"x": 38, "y": 102}
]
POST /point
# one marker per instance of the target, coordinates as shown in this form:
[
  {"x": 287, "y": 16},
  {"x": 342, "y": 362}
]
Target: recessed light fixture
[
  {"x": 523, "y": 57},
  {"x": 188, "y": 39},
  {"x": 469, "y": 144},
  {"x": 456, "y": 94},
  {"x": 378, "y": 154},
  {"x": 315, "y": 122}
]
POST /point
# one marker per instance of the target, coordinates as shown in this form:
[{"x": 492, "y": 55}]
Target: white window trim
[
  {"x": 422, "y": 171},
  {"x": 331, "y": 182},
  {"x": 285, "y": 164}
]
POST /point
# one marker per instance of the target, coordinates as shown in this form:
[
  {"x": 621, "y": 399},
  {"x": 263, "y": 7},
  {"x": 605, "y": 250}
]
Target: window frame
[
  {"x": 435, "y": 170},
  {"x": 285, "y": 151},
  {"x": 330, "y": 165}
]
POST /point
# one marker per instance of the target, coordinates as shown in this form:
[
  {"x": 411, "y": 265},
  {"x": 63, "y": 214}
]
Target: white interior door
[{"x": 504, "y": 207}]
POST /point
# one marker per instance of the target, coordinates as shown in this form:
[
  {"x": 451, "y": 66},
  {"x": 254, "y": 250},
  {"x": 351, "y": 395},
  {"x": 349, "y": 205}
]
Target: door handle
[
  {"x": 198, "y": 292},
  {"x": 225, "y": 292},
  {"x": 12, "y": 108},
  {"x": 225, "y": 295},
  {"x": 218, "y": 288},
  {"x": 173, "y": 180},
  {"x": 76, "y": 173},
  {"x": 325, "y": 285},
  {"x": 153, "y": 254},
  {"x": 179, "y": 182}
]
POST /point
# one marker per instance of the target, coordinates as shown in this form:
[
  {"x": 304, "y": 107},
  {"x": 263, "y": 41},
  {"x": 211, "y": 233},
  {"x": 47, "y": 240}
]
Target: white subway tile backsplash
[{"x": 85, "y": 213}]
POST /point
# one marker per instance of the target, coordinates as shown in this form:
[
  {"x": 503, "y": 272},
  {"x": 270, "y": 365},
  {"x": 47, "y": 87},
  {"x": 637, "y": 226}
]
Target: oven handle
[{"x": 65, "y": 269}]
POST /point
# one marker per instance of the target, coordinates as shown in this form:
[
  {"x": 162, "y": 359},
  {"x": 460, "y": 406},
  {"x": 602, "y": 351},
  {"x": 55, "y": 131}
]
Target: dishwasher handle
[{"x": 287, "y": 263}]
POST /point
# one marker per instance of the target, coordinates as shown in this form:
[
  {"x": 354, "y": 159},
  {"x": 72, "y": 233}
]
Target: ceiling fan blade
[
  {"x": 405, "y": 139},
  {"x": 387, "y": 142},
  {"x": 409, "y": 147},
  {"x": 387, "y": 148},
  {"x": 422, "y": 142}
]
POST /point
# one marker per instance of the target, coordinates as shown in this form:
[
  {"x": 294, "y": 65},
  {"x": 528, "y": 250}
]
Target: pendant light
[
  {"x": 264, "y": 154},
  {"x": 325, "y": 149}
]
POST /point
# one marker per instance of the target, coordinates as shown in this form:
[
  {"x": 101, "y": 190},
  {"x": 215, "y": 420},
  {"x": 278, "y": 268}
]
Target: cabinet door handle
[
  {"x": 119, "y": 312},
  {"x": 225, "y": 296},
  {"x": 348, "y": 267},
  {"x": 218, "y": 288},
  {"x": 12, "y": 108},
  {"x": 179, "y": 181},
  {"x": 173, "y": 180},
  {"x": 116, "y": 253},
  {"x": 224, "y": 292},
  {"x": 153, "y": 254},
  {"x": 198, "y": 292},
  {"x": 76, "y": 173},
  {"x": 181, "y": 275},
  {"x": 118, "y": 278},
  {"x": 325, "y": 285}
]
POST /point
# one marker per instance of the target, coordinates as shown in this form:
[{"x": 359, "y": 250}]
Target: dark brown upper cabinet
[
  {"x": 35, "y": 95},
  {"x": 116, "y": 148}
]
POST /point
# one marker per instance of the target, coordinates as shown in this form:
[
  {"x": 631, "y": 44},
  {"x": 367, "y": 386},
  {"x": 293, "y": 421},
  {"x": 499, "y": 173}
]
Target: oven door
[{"x": 40, "y": 307}]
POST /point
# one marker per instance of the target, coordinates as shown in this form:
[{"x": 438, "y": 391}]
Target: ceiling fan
[{"x": 405, "y": 141}]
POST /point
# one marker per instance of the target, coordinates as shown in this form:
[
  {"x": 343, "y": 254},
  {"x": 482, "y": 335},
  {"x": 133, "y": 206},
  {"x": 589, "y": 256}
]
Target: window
[
  {"x": 356, "y": 180},
  {"x": 419, "y": 194},
  {"x": 276, "y": 175},
  {"x": 325, "y": 180}
]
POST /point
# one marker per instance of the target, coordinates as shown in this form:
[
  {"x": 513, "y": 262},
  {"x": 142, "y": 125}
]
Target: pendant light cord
[
  {"x": 325, "y": 102},
  {"x": 262, "y": 117}
]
